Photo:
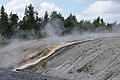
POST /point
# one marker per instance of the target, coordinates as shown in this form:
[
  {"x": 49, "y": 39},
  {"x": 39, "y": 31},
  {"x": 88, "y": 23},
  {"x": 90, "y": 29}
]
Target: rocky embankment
[
  {"x": 96, "y": 59},
  {"x": 93, "y": 60}
]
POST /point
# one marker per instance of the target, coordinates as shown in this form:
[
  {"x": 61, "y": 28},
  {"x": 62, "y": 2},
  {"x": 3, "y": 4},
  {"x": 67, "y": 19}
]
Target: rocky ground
[
  {"x": 98, "y": 59},
  {"x": 6, "y": 74},
  {"x": 93, "y": 60}
]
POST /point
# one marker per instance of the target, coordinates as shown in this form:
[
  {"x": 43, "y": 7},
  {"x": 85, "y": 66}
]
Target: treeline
[{"x": 32, "y": 26}]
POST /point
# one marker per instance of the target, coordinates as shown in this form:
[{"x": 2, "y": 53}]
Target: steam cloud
[
  {"x": 54, "y": 28},
  {"x": 11, "y": 54}
]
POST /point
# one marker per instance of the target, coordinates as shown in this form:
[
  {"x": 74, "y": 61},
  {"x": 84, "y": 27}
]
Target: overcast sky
[{"x": 83, "y": 9}]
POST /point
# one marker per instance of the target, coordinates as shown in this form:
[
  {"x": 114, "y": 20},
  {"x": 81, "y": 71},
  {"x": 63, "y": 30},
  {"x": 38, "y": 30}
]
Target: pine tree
[
  {"x": 96, "y": 22},
  {"x": 46, "y": 18},
  {"x": 54, "y": 15},
  {"x": 4, "y": 24},
  {"x": 28, "y": 22},
  {"x": 31, "y": 23},
  {"x": 13, "y": 20},
  {"x": 70, "y": 23}
]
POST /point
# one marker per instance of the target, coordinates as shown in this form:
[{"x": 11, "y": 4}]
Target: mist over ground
[
  {"x": 13, "y": 50},
  {"x": 17, "y": 50},
  {"x": 23, "y": 39}
]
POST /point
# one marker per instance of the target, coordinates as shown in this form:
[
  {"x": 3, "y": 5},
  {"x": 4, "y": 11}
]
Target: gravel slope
[{"x": 94, "y": 60}]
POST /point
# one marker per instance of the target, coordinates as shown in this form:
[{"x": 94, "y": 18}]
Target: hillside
[{"x": 96, "y": 57}]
